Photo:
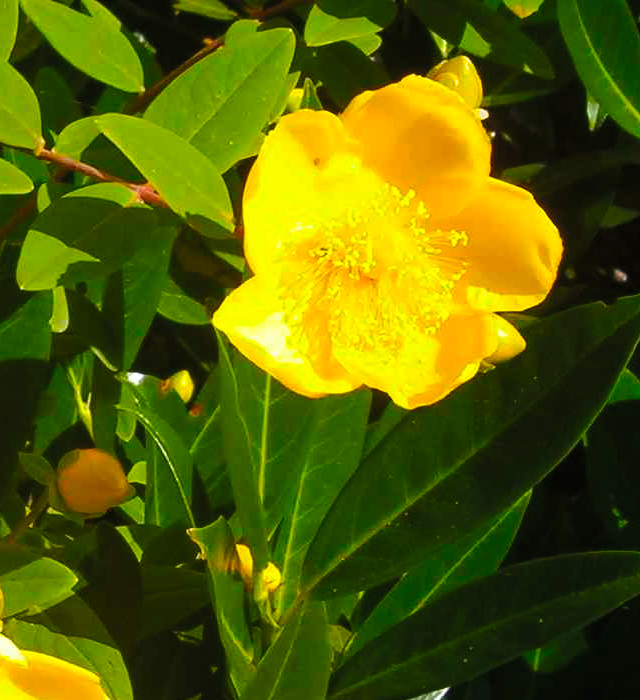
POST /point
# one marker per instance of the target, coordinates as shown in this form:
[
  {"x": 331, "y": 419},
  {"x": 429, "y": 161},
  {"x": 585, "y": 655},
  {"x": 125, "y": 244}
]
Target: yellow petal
[
  {"x": 48, "y": 678},
  {"x": 513, "y": 249},
  {"x": 418, "y": 134},
  {"x": 252, "y": 318},
  {"x": 292, "y": 181}
]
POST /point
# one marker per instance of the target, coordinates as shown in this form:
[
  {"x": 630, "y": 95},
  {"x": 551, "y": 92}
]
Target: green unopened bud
[
  {"x": 460, "y": 75},
  {"x": 294, "y": 100},
  {"x": 89, "y": 482}
]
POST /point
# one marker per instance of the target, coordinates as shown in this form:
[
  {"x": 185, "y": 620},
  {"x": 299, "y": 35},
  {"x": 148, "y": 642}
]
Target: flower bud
[
  {"x": 89, "y": 482},
  {"x": 180, "y": 382},
  {"x": 460, "y": 75},
  {"x": 271, "y": 575}
]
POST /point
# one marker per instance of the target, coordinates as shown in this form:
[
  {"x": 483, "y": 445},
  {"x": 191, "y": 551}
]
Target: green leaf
[
  {"x": 228, "y": 599},
  {"x": 328, "y": 453},
  {"x": 297, "y": 664},
  {"x": 72, "y": 631},
  {"x": 170, "y": 474},
  {"x": 477, "y": 554},
  {"x": 206, "y": 8},
  {"x": 8, "y": 27},
  {"x": 175, "y": 305},
  {"x": 188, "y": 181},
  {"x": 222, "y": 103},
  {"x": 523, "y": 8},
  {"x": 13, "y": 180},
  {"x": 92, "y": 45},
  {"x": 262, "y": 423},
  {"x": 25, "y": 334},
  {"x": 487, "y": 622},
  {"x": 334, "y": 20},
  {"x": 310, "y": 99},
  {"x": 94, "y": 229},
  {"x": 38, "y": 468},
  {"x": 384, "y": 523},
  {"x": 474, "y": 27},
  {"x": 19, "y": 110},
  {"x": 31, "y": 582},
  {"x": 594, "y": 34},
  {"x": 170, "y": 595},
  {"x": 58, "y": 104}
]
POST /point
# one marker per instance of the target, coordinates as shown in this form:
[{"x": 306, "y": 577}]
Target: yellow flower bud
[
  {"x": 30, "y": 675},
  {"x": 460, "y": 75},
  {"x": 180, "y": 382},
  {"x": 510, "y": 342},
  {"x": 244, "y": 566},
  {"x": 91, "y": 481}
]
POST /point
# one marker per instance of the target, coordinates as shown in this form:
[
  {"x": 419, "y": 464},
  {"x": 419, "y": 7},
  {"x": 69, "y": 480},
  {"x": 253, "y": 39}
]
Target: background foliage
[{"x": 486, "y": 544}]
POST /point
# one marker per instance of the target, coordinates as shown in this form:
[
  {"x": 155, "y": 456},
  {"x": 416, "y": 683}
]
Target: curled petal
[
  {"x": 510, "y": 342},
  {"x": 513, "y": 249},
  {"x": 252, "y": 318},
  {"x": 418, "y": 134}
]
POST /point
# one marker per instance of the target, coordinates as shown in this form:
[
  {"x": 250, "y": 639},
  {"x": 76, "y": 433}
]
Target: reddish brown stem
[
  {"x": 276, "y": 9},
  {"x": 142, "y": 101}
]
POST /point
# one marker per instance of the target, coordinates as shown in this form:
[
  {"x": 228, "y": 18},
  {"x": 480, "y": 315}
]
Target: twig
[
  {"x": 144, "y": 99},
  {"x": 275, "y": 9},
  {"x": 36, "y": 510}
]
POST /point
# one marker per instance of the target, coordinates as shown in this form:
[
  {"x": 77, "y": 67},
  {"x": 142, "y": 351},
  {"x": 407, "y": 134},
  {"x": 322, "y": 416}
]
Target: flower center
[{"x": 370, "y": 275}]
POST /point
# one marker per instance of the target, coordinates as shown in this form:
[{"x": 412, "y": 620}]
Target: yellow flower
[
  {"x": 382, "y": 249},
  {"x": 89, "y": 482},
  {"x": 29, "y": 675}
]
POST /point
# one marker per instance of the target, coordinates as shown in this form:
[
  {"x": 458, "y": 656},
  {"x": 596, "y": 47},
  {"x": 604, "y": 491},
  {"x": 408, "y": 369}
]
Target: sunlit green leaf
[
  {"x": 13, "y": 180},
  {"x": 207, "y": 8},
  {"x": 333, "y": 20},
  {"x": 8, "y": 27},
  {"x": 19, "y": 110}
]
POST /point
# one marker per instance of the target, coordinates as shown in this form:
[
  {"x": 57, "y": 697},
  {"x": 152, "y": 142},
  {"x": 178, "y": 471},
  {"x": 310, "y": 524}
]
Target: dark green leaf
[
  {"x": 222, "y": 103},
  {"x": 457, "y": 456},
  {"x": 328, "y": 453},
  {"x": 92, "y": 45},
  {"x": 333, "y": 20},
  {"x": 474, "y": 27},
  {"x": 310, "y": 99},
  {"x": 31, "y": 582},
  {"x": 262, "y": 423},
  {"x": 478, "y": 554},
  {"x": 8, "y": 27},
  {"x": 38, "y": 468},
  {"x": 188, "y": 181},
  {"x": 177, "y": 306},
  {"x": 228, "y": 598},
  {"x": 13, "y": 180},
  {"x": 487, "y": 622},
  {"x": 297, "y": 664},
  {"x": 58, "y": 104},
  {"x": 72, "y": 631},
  {"x": 170, "y": 474},
  {"x": 594, "y": 33},
  {"x": 19, "y": 110}
]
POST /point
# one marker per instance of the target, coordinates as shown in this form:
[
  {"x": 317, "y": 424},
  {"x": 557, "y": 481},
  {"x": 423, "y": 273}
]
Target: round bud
[
  {"x": 460, "y": 75},
  {"x": 89, "y": 482}
]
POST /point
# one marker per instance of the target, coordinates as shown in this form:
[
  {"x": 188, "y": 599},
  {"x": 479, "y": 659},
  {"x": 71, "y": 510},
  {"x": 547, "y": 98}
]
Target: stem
[
  {"x": 36, "y": 510},
  {"x": 143, "y": 100},
  {"x": 276, "y": 9}
]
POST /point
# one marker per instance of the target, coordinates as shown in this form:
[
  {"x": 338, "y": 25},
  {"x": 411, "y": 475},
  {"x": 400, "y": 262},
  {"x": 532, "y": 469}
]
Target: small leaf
[
  {"x": 523, "y": 8},
  {"x": 89, "y": 43},
  {"x": 32, "y": 583},
  {"x": 175, "y": 305},
  {"x": 594, "y": 33},
  {"x": 19, "y": 110},
  {"x": 487, "y": 622},
  {"x": 8, "y": 27},
  {"x": 222, "y": 103},
  {"x": 187, "y": 180},
  {"x": 38, "y": 468},
  {"x": 334, "y": 20},
  {"x": 206, "y": 8},
  {"x": 13, "y": 180}
]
